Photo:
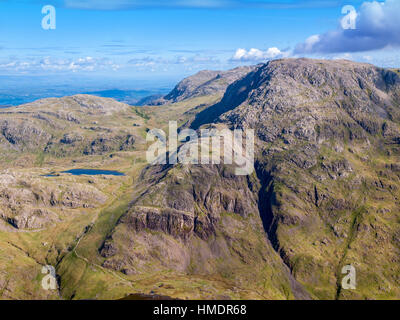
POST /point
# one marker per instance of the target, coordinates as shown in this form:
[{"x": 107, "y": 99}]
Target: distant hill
[
  {"x": 203, "y": 83},
  {"x": 125, "y": 96},
  {"x": 15, "y": 98}
]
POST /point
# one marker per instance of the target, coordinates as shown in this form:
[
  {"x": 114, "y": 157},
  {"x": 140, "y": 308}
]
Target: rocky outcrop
[
  {"x": 27, "y": 203},
  {"x": 31, "y": 219},
  {"x": 109, "y": 143},
  {"x": 172, "y": 222},
  {"x": 22, "y": 135}
]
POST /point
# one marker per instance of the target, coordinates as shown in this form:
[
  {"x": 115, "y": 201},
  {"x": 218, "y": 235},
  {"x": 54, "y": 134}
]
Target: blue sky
[{"x": 154, "y": 39}]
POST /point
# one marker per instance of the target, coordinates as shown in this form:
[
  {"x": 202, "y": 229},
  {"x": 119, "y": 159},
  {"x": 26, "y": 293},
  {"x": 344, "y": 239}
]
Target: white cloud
[
  {"x": 49, "y": 64},
  {"x": 255, "y": 55},
  {"x": 377, "y": 26},
  {"x": 310, "y": 42},
  {"x": 196, "y": 60}
]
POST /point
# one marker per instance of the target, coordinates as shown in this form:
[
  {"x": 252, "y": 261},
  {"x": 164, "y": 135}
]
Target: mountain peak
[{"x": 288, "y": 86}]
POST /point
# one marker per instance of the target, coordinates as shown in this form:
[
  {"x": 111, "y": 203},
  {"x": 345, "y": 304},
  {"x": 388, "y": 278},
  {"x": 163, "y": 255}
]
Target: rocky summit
[{"x": 324, "y": 193}]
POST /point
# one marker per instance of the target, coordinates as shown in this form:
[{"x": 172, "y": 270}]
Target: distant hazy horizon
[{"x": 17, "y": 90}]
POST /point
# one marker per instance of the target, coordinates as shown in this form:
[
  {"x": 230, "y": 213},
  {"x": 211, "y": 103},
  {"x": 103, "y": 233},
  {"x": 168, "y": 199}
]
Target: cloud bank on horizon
[
  {"x": 377, "y": 27},
  {"x": 52, "y": 64}
]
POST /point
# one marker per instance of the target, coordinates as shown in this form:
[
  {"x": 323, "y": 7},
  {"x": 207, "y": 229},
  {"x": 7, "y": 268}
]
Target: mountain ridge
[{"x": 203, "y": 83}]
